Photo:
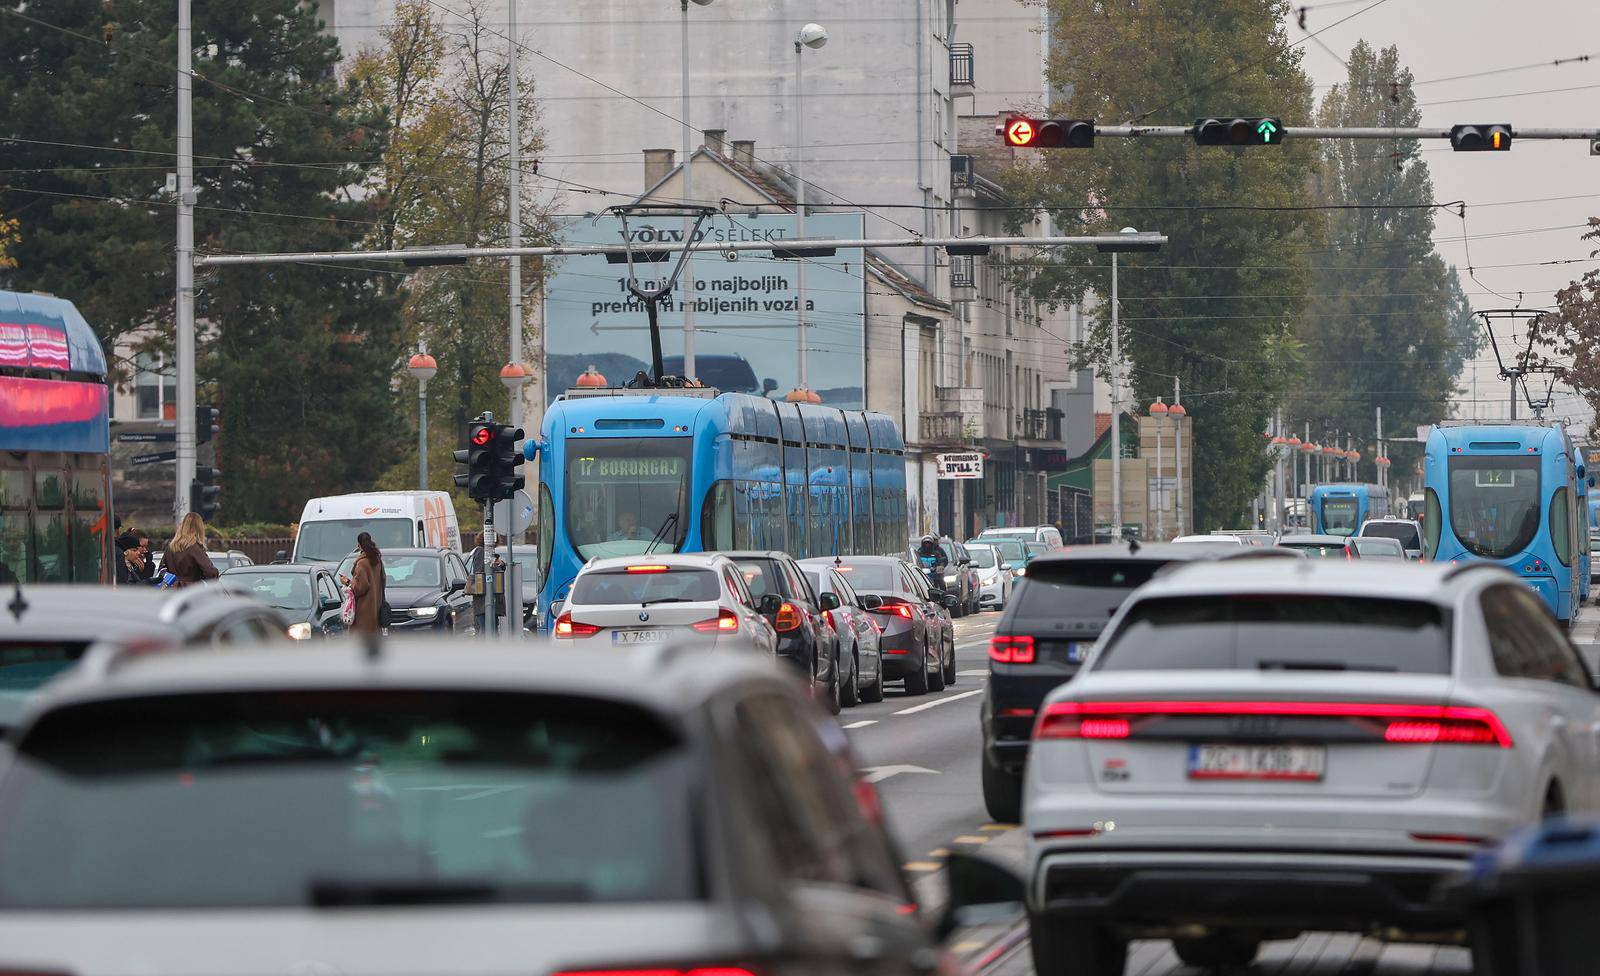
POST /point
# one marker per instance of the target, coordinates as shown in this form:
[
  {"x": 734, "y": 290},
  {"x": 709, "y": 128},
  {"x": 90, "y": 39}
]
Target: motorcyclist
[{"x": 929, "y": 549}]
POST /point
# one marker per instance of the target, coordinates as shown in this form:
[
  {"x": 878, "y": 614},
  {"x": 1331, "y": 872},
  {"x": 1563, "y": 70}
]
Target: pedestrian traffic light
[
  {"x": 204, "y": 492},
  {"x": 507, "y": 480},
  {"x": 1238, "y": 132},
  {"x": 479, "y": 459},
  {"x": 205, "y": 423},
  {"x": 1021, "y": 132},
  {"x": 1495, "y": 137}
]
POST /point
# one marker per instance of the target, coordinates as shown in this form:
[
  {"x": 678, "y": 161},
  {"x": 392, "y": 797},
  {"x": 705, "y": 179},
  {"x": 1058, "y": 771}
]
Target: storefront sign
[{"x": 959, "y": 467}]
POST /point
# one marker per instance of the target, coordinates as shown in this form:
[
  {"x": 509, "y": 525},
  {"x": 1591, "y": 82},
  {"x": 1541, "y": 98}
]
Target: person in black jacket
[{"x": 134, "y": 565}]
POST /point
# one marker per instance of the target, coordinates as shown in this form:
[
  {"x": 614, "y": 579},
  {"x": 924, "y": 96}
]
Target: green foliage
[
  {"x": 1573, "y": 329},
  {"x": 1217, "y": 305},
  {"x": 1389, "y": 325},
  {"x": 299, "y": 359}
]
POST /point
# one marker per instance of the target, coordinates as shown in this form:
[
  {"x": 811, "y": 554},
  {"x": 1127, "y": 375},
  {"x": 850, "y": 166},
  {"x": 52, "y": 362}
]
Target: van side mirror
[{"x": 981, "y": 893}]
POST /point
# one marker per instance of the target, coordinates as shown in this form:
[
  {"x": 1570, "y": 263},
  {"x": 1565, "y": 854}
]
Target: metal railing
[{"x": 961, "y": 66}]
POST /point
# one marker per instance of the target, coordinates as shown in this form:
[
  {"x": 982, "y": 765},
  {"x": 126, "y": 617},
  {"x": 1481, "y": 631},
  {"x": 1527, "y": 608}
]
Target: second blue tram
[
  {"x": 1509, "y": 494},
  {"x": 626, "y": 472},
  {"x": 1340, "y": 509}
]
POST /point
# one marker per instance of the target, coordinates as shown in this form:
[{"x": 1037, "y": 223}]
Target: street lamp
[
  {"x": 1158, "y": 410},
  {"x": 811, "y": 36},
  {"x": 1177, "y": 413},
  {"x": 1116, "y": 357},
  {"x": 688, "y": 195},
  {"x": 422, "y": 368}
]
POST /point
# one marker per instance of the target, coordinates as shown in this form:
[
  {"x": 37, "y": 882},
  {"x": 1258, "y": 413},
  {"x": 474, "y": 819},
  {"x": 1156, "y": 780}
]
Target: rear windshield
[
  {"x": 365, "y": 797},
  {"x": 1404, "y": 532},
  {"x": 26, "y": 665},
  {"x": 1081, "y": 587},
  {"x": 877, "y": 578},
  {"x": 1378, "y": 550},
  {"x": 646, "y": 586},
  {"x": 1317, "y": 550},
  {"x": 1279, "y": 633}
]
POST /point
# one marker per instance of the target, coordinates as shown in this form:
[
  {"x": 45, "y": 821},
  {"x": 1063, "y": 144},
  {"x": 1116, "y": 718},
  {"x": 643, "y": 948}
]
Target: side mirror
[
  {"x": 769, "y": 603},
  {"x": 871, "y": 601},
  {"x": 768, "y": 385},
  {"x": 328, "y": 603},
  {"x": 555, "y": 608},
  {"x": 936, "y": 594},
  {"x": 951, "y": 600},
  {"x": 828, "y": 601},
  {"x": 281, "y": 556},
  {"x": 457, "y": 585},
  {"x": 1007, "y": 566},
  {"x": 967, "y": 561},
  {"x": 981, "y": 893}
]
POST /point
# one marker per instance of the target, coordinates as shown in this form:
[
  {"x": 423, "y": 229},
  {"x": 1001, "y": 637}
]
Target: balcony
[
  {"x": 947, "y": 429},
  {"x": 1040, "y": 425},
  {"x": 963, "y": 273},
  {"x": 960, "y": 68}
]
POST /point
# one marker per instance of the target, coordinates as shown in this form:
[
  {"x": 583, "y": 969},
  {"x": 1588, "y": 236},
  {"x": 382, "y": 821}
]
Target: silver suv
[
  {"x": 1258, "y": 748},
  {"x": 661, "y": 598}
]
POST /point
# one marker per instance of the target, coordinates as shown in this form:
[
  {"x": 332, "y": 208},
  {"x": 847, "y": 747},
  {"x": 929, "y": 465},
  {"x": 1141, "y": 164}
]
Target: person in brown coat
[
  {"x": 367, "y": 587},
  {"x": 186, "y": 554}
]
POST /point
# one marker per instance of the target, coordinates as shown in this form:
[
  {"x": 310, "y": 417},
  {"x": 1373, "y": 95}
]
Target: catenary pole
[
  {"x": 514, "y": 208},
  {"x": 688, "y": 297},
  {"x": 184, "y": 339}
]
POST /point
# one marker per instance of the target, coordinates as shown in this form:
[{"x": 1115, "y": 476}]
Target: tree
[
  {"x": 1384, "y": 326},
  {"x": 300, "y": 359},
  {"x": 8, "y": 238},
  {"x": 444, "y": 91},
  {"x": 1216, "y": 306},
  {"x": 1572, "y": 330}
]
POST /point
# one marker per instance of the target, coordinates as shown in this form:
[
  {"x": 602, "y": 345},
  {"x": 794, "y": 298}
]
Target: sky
[{"x": 1439, "y": 39}]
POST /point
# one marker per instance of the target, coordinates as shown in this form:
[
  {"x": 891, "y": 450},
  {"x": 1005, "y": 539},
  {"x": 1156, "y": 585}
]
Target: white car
[
  {"x": 1255, "y": 749},
  {"x": 1222, "y": 538},
  {"x": 656, "y": 599},
  {"x": 1406, "y": 531},
  {"x": 994, "y": 576}
]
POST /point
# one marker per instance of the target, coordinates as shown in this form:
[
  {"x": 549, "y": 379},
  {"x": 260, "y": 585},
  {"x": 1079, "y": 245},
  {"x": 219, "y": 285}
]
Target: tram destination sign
[{"x": 959, "y": 467}]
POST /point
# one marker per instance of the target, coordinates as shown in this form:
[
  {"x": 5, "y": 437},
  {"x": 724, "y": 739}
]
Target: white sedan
[
  {"x": 1254, "y": 750},
  {"x": 994, "y": 576}
]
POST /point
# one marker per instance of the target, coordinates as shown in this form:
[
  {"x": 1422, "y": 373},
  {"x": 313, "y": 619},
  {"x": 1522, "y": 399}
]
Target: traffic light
[
  {"x": 1021, "y": 132},
  {"x": 507, "y": 480},
  {"x": 1238, "y": 132},
  {"x": 1495, "y": 137},
  {"x": 205, "y": 423},
  {"x": 204, "y": 492},
  {"x": 479, "y": 459}
]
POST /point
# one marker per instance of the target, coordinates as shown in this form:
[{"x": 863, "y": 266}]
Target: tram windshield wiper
[{"x": 661, "y": 533}]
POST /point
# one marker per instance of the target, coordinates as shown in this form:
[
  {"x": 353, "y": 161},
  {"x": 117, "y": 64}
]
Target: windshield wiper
[
  {"x": 355, "y": 894},
  {"x": 661, "y": 533},
  {"x": 665, "y": 599}
]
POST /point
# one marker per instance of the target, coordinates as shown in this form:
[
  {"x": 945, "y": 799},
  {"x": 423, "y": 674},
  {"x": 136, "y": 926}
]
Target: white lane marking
[
  {"x": 861, "y": 724},
  {"x": 877, "y": 774},
  {"x": 980, "y": 673},
  {"x": 938, "y": 701}
]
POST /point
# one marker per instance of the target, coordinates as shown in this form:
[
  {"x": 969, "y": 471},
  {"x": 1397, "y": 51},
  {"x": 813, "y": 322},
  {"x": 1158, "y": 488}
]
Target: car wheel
[
  {"x": 831, "y": 691},
  {"x": 950, "y": 665},
  {"x": 1002, "y": 792},
  {"x": 917, "y": 680},
  {"x": 850, "y": 692},
  {"x": 1072, "y": 947},
  {"x": 1217, "y": 950},
  {"x": 936, "y": 679},
  {"x": 874, "y": 692}
]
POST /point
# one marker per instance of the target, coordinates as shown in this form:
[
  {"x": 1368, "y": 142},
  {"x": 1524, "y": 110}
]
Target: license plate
[
  {"x": 1076, "y": 652},
  {"x": 638, "y": 636},
  {"x": 1215, "y": 761}
]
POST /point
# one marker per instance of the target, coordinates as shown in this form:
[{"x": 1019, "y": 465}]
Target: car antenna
[{"x": 19, "y": 604}]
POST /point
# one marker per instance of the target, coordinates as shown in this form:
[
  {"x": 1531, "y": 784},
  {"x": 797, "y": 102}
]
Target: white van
[{"x": 396, "y": 519}]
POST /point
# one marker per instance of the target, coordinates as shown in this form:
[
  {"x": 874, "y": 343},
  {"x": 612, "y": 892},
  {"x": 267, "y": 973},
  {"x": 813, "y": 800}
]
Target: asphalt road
[{"x": 923, "y": 754}]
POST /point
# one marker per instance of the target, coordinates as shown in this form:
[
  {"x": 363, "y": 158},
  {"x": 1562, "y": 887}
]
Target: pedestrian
[
  {"x": 134, "y": 565},
  {"x": 186, "y": 556},
  {"x": 367, "y": 586}
]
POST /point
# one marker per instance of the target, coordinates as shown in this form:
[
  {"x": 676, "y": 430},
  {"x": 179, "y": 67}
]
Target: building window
[{"x": 155, "y": 388}]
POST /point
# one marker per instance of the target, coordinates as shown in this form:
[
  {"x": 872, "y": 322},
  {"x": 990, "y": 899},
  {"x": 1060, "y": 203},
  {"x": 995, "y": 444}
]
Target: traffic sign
[
  {"x": 150, "y": 437},
  {"x": 155, "y": 458}
]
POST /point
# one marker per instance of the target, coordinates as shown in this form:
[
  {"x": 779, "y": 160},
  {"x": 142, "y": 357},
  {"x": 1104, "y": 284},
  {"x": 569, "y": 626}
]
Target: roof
[
  {"x": 71, "y": 611},
  {"x": 1102, "y": 423},
  {"x": 1397, "y": 580},
  {"x": 693, "y": 560},
  {"x": 1308, "y": 538},
  {"x": 1155, "y": 552},
  {"x": 658, "y": 677},
  {"x": 60, "y": 340},
  {"x": 278, "y": 568}
]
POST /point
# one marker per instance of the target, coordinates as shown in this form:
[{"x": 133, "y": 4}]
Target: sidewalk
[{"x": 1586, "y": 634}]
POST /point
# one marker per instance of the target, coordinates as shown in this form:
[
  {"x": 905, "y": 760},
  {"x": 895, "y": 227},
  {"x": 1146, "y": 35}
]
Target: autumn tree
[
  {"x": 1217, "y": 305},
  {"x": 1572, "y": 330}
]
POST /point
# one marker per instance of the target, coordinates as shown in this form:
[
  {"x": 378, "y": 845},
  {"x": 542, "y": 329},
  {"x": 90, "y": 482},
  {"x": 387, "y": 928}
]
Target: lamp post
[
  {"x": 514, "y": 205},
  {"x": 1177, "y": 413},
  {"x": 688, "y": 195},
  {"x": 810, "y": 36},
  {"x": 1116, "y": 359},
  {"x": 1158, "y": 410},
  {"x": 422, "y": 368}
]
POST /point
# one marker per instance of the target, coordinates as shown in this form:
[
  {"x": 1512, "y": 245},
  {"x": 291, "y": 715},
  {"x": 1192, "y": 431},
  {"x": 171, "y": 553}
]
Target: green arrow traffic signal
[{"x": 1268, "y": 130}]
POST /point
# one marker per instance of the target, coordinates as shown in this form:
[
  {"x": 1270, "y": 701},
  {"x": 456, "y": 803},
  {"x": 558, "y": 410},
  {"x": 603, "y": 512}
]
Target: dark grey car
[
  {"x": 306, "y": 594},
  {"x": 426, "y": 589}
]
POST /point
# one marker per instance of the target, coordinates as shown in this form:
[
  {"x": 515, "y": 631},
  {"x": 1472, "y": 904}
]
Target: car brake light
[
  {"x": 788, "y": 618},
  {"x": 647, "y": 569},
  {"x": 725, "y": 622},
  {"x": 1007, "y": 649},
  {"x": 567, "y": 627},
  {"x": 1402, "y": 724},
  {"x": 1449, "y": 838},
  {"x": 827, "y": 618},
  {"x": 898, "y": 609}
]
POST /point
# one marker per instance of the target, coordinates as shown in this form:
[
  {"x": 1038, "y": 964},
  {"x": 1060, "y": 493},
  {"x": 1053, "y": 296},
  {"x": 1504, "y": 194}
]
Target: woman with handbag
[
  {"x": 367, "y": 587},
  {"x": 186, "y": 557}
]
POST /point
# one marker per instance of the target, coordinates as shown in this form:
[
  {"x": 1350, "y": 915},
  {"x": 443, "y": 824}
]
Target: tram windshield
[
  {"x": 1341, "y": 516},
  {"x": 1494, "y": 503},
  {"x": 625, "y": 494}
]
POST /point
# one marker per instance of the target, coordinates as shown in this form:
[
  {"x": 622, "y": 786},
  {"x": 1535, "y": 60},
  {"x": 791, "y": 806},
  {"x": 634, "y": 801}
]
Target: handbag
[{"x": 347, "y": 610}]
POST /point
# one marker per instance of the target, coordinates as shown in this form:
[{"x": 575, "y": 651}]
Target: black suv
[
  {"x": 805, "y": 639},
  {"x": 1055, "y": 615}
]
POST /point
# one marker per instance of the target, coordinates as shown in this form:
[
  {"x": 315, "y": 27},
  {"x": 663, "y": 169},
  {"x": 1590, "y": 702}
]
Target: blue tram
[
  {"x": 1509, "y": 494},
  {"x": 1340, "y": 509},
  {"x": 627, "y": 472}
]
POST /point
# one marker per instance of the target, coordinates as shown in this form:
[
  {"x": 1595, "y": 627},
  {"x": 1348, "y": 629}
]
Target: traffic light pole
[
  {"x": 491, "y": 617},
  {"x": 1334, "y": 132}
]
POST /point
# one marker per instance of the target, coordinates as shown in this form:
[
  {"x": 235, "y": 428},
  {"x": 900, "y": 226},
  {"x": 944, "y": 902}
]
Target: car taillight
[
  {"x": 895, "y": 609},
  {"x": 725, "y": 622},
  {"x": 1007, "y": 649},
  {"x": 788, "y": 618},
  {"x": 1396, "y": 723},
  {"x": 567, "y": 627}
]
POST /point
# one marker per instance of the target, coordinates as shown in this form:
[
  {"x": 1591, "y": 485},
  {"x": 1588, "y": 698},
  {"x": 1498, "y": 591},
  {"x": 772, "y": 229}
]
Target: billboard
[{"x": 745, "y": 314}]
